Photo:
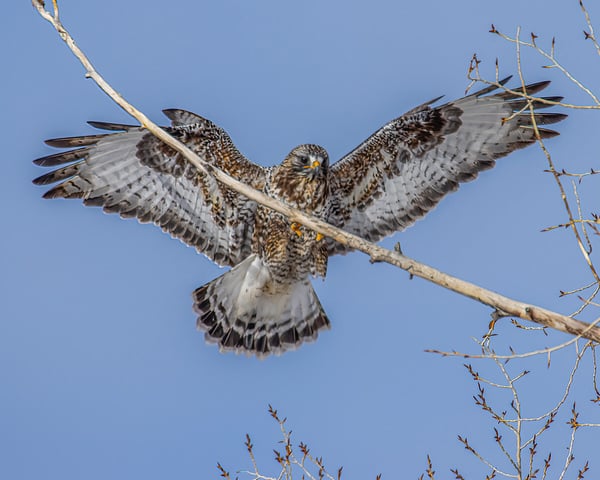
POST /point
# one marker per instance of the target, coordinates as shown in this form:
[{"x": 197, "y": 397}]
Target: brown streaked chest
[{"x": 297, "y": 190}]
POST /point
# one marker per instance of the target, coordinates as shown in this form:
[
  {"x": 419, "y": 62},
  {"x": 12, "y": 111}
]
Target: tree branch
[{"x": 377, "y": 254}]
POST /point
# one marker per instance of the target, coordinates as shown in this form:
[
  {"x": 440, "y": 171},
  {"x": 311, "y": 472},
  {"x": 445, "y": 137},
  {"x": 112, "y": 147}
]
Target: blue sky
[{"x": 103, "y": 373}]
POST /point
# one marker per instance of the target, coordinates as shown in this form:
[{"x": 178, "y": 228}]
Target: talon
[
  {"x": 320, "y": 237},
  {"x": 296, "y": 228}
]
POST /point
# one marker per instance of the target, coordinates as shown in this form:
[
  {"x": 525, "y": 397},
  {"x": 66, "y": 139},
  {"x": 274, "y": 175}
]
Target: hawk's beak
[{"x": 314, "y": 164}]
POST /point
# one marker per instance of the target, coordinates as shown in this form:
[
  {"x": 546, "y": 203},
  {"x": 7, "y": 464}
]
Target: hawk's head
[
  {"x": 308, "y": 161},
  {"x": 301, "y": 179}
]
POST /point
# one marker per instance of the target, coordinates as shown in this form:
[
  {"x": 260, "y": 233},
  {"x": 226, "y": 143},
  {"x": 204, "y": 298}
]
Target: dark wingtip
[
  {"x": 553, "y": 117},
  {"x": 556, "y": 99},
  {"x": 53, "y": 193},
  {"x": 547, "y": 133},
  {"x": 170, "y": 112},
  {"x": 180, "y": 117},
  {"x": 536, "y": 87},
  {"x": 505, "y": 80},
  {"x": 489, "y": 88},
  {"x": 41, "y": 180},
  {"x": 544, "y": 133},
  {"x": 66, "y": 142},
  {"x": 176, "y": 114},
  {"x": 55, "y": 142},
  {"x": 113, "y": 127},
  {"x": 530, "y": 89},
  {"x": 434, "y": 100},
  {"x": 61, "y": 158},
  {"x": 42, "y": 162}
]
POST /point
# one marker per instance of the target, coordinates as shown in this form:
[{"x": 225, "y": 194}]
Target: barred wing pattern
[
  {"x": 404, "y": 169},
  {"x": 134, "y": 174}
]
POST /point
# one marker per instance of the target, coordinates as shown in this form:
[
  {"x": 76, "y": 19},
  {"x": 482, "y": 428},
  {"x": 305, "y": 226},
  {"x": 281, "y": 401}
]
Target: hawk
[{"x": 266, "y": 303}]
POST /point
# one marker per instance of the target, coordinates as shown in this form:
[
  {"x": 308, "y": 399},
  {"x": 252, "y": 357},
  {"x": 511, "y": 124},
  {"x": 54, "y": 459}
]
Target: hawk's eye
[{"x": 304, "y": 160}]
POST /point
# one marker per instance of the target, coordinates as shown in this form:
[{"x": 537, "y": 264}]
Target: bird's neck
[{"x": 299, "y": 191}]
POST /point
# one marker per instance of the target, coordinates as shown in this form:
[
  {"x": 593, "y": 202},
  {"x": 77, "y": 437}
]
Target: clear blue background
[{"x": 102, "y": 372}]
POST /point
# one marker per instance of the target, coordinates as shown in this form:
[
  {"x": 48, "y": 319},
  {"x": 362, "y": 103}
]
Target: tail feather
[{"x": 244, "y": 311}]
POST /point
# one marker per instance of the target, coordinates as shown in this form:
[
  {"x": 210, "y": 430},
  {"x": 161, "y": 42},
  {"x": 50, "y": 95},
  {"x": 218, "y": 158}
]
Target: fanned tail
[{"x": 244, "y": 311}]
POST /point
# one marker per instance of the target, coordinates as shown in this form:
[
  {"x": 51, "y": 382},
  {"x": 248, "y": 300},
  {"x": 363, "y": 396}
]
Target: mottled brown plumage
[{"x": 266, "y": 303}]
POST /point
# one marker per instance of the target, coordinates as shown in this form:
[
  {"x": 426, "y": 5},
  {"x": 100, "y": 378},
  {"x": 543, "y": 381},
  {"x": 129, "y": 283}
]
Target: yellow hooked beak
[{"x": 314, "y": 164}]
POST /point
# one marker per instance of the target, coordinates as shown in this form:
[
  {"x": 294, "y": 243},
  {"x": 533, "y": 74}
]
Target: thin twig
[{"x": 590, "y": 35}]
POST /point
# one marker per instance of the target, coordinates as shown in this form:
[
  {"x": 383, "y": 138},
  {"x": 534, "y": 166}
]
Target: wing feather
[
  {"x": 132, "y": 173},
  {"x": 404, "y": 169}
]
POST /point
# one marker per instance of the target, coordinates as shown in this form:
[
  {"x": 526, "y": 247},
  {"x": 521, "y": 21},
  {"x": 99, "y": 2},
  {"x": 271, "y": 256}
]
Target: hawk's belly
[{"x": 291, "y": 251}]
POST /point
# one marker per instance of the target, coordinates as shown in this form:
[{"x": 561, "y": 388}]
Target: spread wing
[
  {"x": 404, "y": 169},
  {"x": 134, "y": 174}
]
